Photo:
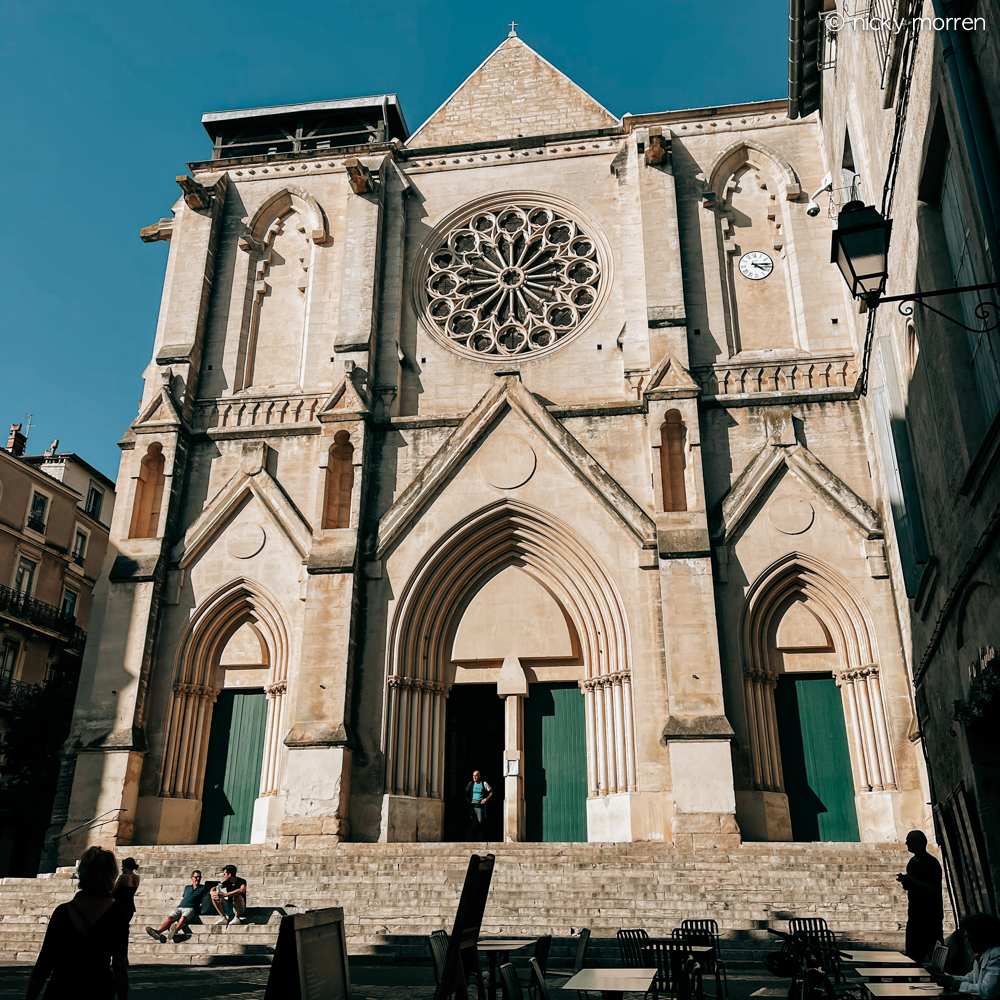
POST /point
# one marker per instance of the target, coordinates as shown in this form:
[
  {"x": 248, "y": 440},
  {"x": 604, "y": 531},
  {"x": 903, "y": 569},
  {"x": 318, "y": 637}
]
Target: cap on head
[
  {"x": 230, "y": 869},
  {"x": 130, "y": 864}
]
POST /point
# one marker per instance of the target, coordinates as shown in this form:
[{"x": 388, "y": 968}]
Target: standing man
[
  {"x": 230, "y": 893},
  {"x": 188, "y": 907},
  {"x": 477, "y": 794},
  {"x": 924, "y": 909}
]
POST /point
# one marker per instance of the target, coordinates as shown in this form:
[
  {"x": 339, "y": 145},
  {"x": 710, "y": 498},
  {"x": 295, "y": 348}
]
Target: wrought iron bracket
[{"x": 986, "y": 310}]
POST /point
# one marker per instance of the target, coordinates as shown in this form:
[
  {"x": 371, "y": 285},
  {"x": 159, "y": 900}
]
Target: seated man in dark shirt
[
  {"x": 188, "y": 907},
  {"x": 230, "y": 894}
]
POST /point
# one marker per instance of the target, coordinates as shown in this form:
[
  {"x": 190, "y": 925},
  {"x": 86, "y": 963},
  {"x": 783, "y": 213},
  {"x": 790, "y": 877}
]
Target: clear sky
[{"x": 101, "y": 107}]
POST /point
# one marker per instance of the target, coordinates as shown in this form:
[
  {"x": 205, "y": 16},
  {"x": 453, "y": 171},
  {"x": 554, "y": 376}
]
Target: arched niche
[{"x": 752, "y": 185}]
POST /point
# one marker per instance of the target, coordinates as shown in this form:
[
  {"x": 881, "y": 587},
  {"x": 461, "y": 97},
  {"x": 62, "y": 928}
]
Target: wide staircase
[{"x": 393, "y": 895}]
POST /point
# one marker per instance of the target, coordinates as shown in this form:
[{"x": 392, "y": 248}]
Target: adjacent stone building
[
  {"x": 910, "y": 117},
  {"x": 527, "y": 443}
]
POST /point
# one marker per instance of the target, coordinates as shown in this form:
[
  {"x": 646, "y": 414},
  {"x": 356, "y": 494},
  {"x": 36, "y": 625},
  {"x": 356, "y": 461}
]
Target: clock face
[{"x": 756, "y": 265}]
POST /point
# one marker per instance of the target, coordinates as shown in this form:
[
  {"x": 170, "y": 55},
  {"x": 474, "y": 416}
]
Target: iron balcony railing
[
  {"x": 14, "y": 604},
  {"x": 36, "y": 522},
  {"x": 13, "y": 692},
  {"x": 79, "y": 558}
]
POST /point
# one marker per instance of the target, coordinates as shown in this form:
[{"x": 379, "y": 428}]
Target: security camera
[{"x": 812, "y": 209}]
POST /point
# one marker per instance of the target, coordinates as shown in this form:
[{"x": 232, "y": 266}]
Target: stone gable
[{"x": 514, "y": 92}]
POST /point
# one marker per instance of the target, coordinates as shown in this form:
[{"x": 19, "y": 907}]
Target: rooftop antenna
[
  {"x": 512, "y": 33},
  {"x": 27, "y": 424}
]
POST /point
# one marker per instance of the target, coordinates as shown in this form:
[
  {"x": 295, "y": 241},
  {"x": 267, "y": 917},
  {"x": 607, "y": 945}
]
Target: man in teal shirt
[{"x": 477, "y": 794}]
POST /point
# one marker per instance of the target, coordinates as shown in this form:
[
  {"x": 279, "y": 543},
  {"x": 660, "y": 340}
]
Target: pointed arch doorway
[
  {"x": 817, "y": 724},
  {"x": 514, "y": 599}
]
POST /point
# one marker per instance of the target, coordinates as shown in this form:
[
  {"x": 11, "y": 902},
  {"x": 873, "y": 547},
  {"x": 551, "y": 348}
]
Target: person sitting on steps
[
  {"x": 188, "y": 907},
  {"x": 230, "y": 894}
]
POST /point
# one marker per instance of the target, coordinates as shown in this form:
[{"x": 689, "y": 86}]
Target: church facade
[{"x": 526, "y": 443}]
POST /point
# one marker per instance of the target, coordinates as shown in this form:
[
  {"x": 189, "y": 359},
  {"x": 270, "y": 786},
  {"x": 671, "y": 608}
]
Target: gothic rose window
[{"x": 513, "y": 280}]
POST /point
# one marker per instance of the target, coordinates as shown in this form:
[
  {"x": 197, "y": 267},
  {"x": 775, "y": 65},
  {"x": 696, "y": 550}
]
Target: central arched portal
[{"x": 509, "y": 654}]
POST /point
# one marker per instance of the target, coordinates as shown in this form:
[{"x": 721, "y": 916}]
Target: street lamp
[{"x": 860, "y": 248}]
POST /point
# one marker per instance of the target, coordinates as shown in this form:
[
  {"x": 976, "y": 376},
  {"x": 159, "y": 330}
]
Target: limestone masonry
[{"x": 493, "y": 449}]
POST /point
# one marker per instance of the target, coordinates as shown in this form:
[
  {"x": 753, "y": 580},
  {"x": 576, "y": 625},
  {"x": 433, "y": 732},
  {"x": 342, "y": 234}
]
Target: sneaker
[
  {"x": 156, "y": 935},
  {"x": 239, "y": 920},
  {"x": 221, "y": 921}
]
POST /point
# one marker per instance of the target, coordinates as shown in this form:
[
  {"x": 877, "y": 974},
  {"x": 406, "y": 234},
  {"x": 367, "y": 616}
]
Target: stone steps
[{"x": 395, "y": 894}]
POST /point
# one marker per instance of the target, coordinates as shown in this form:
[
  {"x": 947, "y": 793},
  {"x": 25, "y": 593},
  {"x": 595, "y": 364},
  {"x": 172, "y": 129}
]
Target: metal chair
[
  {"x": 677, "y": 973},
  {"x": 581, "y": 957},
  {"x": 510, "y": 982},
  {"x": 541, "y": 959},
  {"x": 939, "y": 957},
  {"x": 824, "y": 944},
  {"x": 630, "y": 944},
  {"x": 438, "y": 944},
  {"x": 706, "y": 933},
  {"x": 538, "y": 979},
  {"x": 797, "y": 924}
]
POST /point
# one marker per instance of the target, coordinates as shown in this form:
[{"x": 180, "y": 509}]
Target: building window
[
  {"x": 10, "y": 650},
  {"x": 959, "y": 240},
  {"x": 339, "y": 482},
  {"x": 39, "y": 508},
  {"x": 69, "y": 604},
  {"x": 24, "y": 579},
  {"x": 80, "y": 547},
  {"x": 95, "y": 500},
  {"x": 148, "y": 494},
  {"x": 672, "y": 460}
]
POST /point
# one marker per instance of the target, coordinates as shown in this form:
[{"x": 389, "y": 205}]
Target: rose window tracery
[{"x": 512, "y": 280}]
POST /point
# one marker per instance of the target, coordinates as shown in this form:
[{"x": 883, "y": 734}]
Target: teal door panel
[
  {"x": 232, "y": 770},
  {"x": 815, "y": 759},
  {"x": 555, "y": 763}
]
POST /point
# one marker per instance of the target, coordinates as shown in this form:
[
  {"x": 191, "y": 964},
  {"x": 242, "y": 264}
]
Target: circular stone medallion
[
  {"x": 506, "y": 461},
  {"x": 245, "y": 540},
  {"x": 791, "y": 515}
]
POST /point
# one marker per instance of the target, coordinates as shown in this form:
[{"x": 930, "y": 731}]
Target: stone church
[{"x": 528, "y": 443}]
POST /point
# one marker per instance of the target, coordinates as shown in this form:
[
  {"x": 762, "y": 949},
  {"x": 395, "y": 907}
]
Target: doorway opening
[
  {"x": 555, "y": 764},
  {"x": 474, "y": 740},
  {"x": 815, "y": 759},
  {"x": 232, "y": 768}
]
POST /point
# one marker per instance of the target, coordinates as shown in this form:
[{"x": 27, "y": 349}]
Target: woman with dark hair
[
  {"x": 127, "y": 884},
  {"x": 982, "y": 930},
  {"x": 85, "y": 950}
]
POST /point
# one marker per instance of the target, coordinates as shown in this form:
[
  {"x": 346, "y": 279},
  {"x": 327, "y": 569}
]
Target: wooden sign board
[
  {"x": 462, "y": 959},
  {"x": 310, "y": 958}
]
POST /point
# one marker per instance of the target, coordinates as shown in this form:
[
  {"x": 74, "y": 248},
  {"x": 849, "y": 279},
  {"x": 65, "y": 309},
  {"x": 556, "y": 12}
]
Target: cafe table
[
  {"x": 612, "y": 983},
  {"x": 500, "y": 947},
  {"x": 914, "y": 990},
  {"x": 894, "y": 973},
  {"x": 869, "y": 958}
]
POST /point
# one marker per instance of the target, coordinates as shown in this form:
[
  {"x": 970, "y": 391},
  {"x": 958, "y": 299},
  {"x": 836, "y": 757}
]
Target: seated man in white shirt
[{"x": 983, "y": 933}]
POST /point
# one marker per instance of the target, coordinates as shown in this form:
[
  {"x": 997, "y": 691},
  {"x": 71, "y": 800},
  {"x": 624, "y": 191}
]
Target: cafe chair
[
  {"x": 541, "y": 959},
  {"x": 437, "y": 941},
  {"x": 630, "y": 944},
  {"x": 538, "y": 979},
  {"x": 797, "y": 924},
  {"x": 510, "y": 982},
  {"x": 678, "y": 975},
  {"x": 706, "y": 934},
  {"x": 583, "y": 941}
]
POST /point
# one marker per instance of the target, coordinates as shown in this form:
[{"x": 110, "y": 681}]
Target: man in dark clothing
[
  {"x": 924, "y": 910},
  {"x": 230, "y": 894},
  {"x": 477, "y": 794},
  {"x": 188, "y": 907}
]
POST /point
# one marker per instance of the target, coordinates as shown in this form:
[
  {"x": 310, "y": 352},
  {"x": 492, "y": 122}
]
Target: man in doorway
[
  {"x": 181, "y": 914},
  {"x": 924, "y": 909},
  {"x": 230, "y": 895},
  {"x": 477, "y": 794}
]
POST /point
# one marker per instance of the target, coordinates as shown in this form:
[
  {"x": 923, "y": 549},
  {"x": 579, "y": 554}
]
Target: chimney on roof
[
  {"x": 52, "y": 448},
  {"x": 16, "y": 441}
]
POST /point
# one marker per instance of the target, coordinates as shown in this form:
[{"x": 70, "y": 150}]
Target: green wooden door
[
  {"x": 815, "y": 759},
  {"x": 555, "y": 763},
  {"x": 232, "y": 771}
]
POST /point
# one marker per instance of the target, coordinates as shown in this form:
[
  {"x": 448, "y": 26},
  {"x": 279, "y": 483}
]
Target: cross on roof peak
[{"x": 512, "y": 33}]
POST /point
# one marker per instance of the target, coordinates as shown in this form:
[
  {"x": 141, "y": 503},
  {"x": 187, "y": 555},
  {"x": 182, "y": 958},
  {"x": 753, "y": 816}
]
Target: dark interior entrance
[
  {"x": 232, "y": 769},
  {"x": 474, "y": 739},
  {"x": 815, "y": 759},
  {"x": 555, "y": 764}
]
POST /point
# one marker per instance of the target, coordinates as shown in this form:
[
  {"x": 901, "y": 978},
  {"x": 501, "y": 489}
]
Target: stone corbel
[
  {"x": 657, "y": 149},
  {"x": 196, "y": 195},
  {"x": 161, "y": 230},
  {"x": 359, "y": 176}
]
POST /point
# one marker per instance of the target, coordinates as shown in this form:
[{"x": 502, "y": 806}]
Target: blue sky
[{"x": 101, "y": 109}]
